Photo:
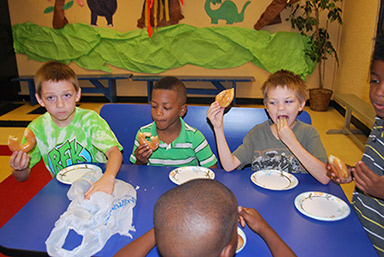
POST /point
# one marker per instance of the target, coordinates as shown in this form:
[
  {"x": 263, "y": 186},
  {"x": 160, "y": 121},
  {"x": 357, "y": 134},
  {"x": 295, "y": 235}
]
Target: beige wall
[
  {"x": 356, "y": 46},
  {"x": 357, "y": 14}
]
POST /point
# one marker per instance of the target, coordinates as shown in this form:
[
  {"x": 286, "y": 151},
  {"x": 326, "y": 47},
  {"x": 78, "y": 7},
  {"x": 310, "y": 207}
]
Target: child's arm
[
  {"x": 368, "y": 181},
  {"x": 139, "y": 247},
  {"x": 19, "y": 162},
  {"x": 215, "y": 114},
  {"x": 107, "y": 181},
  {"x": 313, "y": 165},
  {"x": 254, "y": 220}
]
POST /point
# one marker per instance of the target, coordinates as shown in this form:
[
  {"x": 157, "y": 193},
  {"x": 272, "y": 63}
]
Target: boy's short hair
[
  {"x": 55, "y": 71},
  {"x": 197, "y": 218},
  {"x": 378, "y": 53},
  {"x": 173, "y": 83},
  {"x": 284, "y": 78}
]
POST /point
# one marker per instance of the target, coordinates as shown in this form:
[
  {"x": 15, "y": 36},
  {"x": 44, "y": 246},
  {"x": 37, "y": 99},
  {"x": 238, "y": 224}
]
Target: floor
[{"x": 13, "y": 122}]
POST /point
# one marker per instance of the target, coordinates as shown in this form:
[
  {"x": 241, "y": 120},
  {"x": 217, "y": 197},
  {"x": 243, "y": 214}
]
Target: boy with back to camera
[
  {"x": 368, "y": 197},
  {"x": 206, "y": 226},
  {"x": 283, "y": 142},
  {"x": 179, "y": 143},
  {"x": 66, "y": 134}
]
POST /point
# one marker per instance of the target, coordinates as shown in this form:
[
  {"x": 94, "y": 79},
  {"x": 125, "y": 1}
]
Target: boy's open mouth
[{"x": 282, "y": 117}]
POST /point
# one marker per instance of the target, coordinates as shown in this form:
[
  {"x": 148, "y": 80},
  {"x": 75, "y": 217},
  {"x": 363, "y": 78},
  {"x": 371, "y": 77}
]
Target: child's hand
[
  {"x": 368, "y": 181},
  {"x": 19, "y": 161},
  {"x": 252, "y": 217},
  {"x": 142, "y": 153},
  {"x": 284, "y": 132},
  {"x": 332, "y": 175},
  {"x": 215, "y": 114},
  {"x": 104, "y": 184}
]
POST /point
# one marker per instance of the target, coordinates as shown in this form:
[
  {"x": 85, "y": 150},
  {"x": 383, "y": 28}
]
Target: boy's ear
[
  {"x": 39, "y": 100},
  {"x": 301, "y": 105},
  {"x": 227, "y": 251},
  {"x": 183, "y": 110},
  {"x": 78, "y": 95}
]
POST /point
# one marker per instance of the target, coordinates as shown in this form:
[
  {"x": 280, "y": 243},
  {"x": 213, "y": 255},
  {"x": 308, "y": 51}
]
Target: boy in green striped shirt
[{"x": 179, "y": 143}]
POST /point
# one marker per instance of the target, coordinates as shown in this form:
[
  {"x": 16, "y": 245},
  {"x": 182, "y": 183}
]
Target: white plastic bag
[{"x": 96, "y": 220}]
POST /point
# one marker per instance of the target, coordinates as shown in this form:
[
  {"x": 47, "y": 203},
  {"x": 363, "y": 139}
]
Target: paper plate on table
[
  {"x": 242, "y": 240},
  {"x": 274, "y": 179},
  {"x": 74, "y": 172},
  {"x": 184, "y": 174},
  {"x": 322, "y": 206}
]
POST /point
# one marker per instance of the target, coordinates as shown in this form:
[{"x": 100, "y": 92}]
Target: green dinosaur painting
[{"x": 227, "y": 11}]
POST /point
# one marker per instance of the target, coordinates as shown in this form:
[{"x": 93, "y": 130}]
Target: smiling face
[
  {"x": 376, "y": 90},
  {"x": 59, "y": 98},
  {"x": 166, "y": 109},
  {"x": 282, "y": 102}
]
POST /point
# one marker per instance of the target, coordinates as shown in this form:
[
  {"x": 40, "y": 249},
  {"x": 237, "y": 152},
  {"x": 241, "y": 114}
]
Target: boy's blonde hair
[
  {"x": 55, "y": 71},
  {"x": 284, "y": 78}
]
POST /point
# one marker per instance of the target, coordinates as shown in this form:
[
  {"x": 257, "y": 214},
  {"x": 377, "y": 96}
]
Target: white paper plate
[
  {"x": 241, "y": 234},
  {"x": 74, "y": 172},
  {"x": 274, "y": 179},
  {"x": 184, "y": 174},
  {"x": 322, "y": 206}
]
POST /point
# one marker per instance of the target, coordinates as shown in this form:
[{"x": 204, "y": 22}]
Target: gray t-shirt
[{"x": 262, "y": 150}]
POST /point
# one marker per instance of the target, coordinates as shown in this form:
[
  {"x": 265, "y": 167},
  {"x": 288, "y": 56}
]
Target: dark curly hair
[{"x": 378, "y": 53}]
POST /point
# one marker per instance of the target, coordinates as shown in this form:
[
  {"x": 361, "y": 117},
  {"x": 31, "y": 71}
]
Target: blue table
[{"x": 30, "y": 227}]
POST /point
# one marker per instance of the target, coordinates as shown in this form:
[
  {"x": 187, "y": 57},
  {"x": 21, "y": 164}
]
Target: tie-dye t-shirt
[{"x": 86, "y": 139}]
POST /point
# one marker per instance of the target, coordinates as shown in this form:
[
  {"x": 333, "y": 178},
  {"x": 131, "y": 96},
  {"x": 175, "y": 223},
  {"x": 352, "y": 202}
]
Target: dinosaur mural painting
[
  {"x": 227, "y": 11},
  {"x": 106, "y": 8}
]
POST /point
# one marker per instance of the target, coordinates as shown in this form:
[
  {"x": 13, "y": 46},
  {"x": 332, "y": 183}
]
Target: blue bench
[
  {"x": 216, "y": 81},
  {"x": 109, "y": 89},
  {"x": 126, "y": 119}
]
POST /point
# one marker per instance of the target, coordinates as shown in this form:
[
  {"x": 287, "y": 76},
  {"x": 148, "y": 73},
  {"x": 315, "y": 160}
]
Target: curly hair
[
  {"x": 173, "y": 83},
  {"x": 378, "y": 53}
]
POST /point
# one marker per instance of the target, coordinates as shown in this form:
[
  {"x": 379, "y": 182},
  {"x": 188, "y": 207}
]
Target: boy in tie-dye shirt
[{"x": 66, "y": 134}]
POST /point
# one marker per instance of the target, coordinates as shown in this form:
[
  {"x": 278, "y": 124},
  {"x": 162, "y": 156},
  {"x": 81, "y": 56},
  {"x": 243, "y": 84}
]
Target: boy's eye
[
  {"x": 289, "y": 101},
  {"x": 67, "y": 95},
  {"x": 50, "y": 98},
  {"x": 374, "y": 81},
  {"x": 167, "y": 108}
]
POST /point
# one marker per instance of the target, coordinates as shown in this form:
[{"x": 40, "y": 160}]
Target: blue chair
[{"x": 126, "y": 119}]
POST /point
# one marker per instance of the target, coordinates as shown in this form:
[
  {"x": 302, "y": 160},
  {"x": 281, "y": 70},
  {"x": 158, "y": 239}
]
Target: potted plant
[{"x": 306, "y": 16}]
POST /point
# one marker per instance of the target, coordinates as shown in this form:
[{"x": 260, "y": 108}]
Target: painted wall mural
[
  {"x": 271, "y": 15},
  {"x": 104, "y": 8},
  {"x": 227, "y": 11},
  {"x": 59, "y": 19}
]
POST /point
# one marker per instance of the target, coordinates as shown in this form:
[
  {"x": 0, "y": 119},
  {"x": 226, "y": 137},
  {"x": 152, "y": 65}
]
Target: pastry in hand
[
  {"x": 225, "y": 97},
  {"x": 153, "y": 143},
  {"x": 339, "y": 167},
  {"x": 14, "y": 145}
]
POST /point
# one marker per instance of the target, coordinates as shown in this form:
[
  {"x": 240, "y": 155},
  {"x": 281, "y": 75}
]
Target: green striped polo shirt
[{"x": 190, "y": 148}]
